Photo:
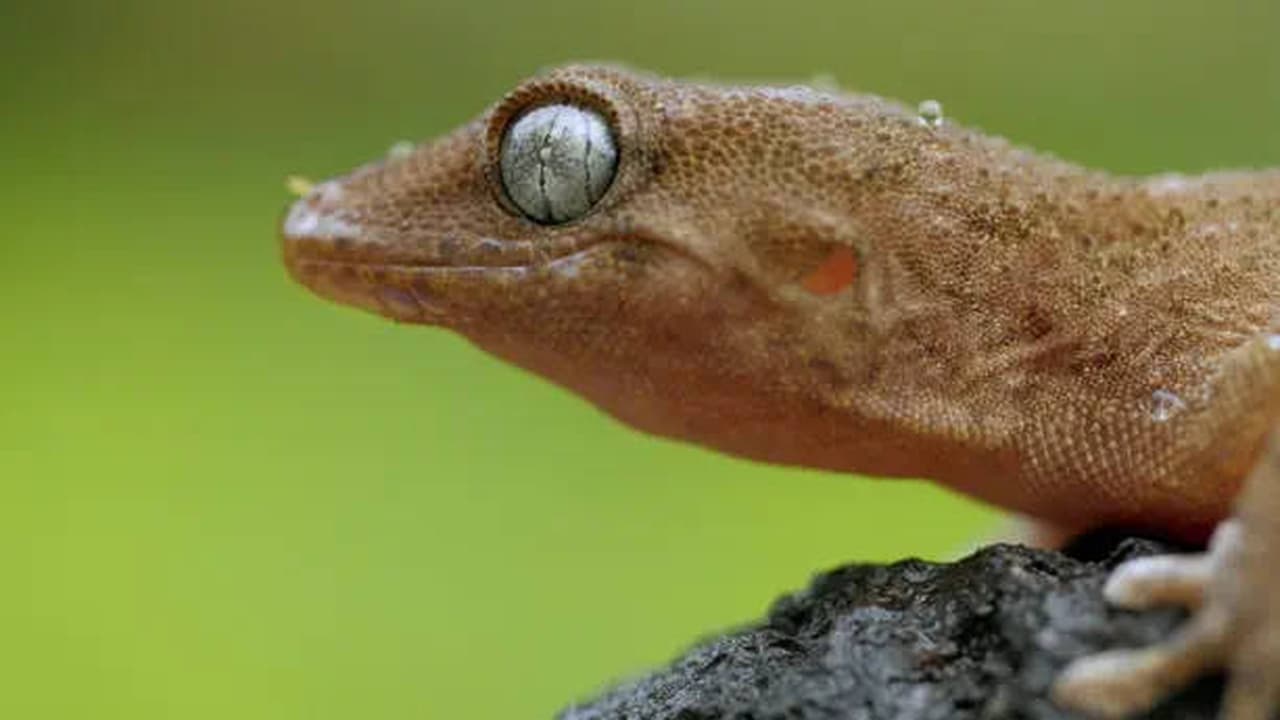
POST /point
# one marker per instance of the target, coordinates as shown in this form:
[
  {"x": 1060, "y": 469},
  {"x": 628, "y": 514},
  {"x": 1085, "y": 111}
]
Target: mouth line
[
  {"x": 411, "y": 291},
  {"x": 326, "y": 259}
]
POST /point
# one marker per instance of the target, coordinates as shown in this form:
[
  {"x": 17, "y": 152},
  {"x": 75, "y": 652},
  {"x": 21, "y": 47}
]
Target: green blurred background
[{"x": 222, "y": 498}]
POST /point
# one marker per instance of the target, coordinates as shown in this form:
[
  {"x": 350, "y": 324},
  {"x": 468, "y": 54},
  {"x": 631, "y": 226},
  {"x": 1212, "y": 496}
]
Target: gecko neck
[{"x": 1049, "y": 286}]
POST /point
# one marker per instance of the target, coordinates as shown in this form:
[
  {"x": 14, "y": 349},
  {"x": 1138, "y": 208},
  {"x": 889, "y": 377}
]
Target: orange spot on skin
[{"x": 834, "y": 274}]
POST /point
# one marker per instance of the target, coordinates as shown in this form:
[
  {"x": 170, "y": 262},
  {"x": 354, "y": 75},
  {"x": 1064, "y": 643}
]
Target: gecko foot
[{"x": 1226, "y": 630}]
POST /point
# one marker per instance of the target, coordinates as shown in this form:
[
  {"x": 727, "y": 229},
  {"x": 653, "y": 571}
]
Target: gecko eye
[{"x": 557, "y": 161}]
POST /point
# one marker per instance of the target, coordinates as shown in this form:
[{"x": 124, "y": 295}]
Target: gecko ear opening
[
  {"x": 834, "y": 274},
  {"x": 812, "y": 252}
]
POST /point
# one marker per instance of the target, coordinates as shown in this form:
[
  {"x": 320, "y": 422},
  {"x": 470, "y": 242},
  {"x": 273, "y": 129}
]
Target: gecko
[{"x": 837, "y": 281}]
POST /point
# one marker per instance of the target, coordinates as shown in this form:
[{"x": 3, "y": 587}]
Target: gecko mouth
[
  {"x": 422, "y": 279},
  {"x": 316, "y": 228}
]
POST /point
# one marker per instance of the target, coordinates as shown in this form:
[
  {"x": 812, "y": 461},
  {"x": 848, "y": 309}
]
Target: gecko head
[{"x": 665, "y": 249}]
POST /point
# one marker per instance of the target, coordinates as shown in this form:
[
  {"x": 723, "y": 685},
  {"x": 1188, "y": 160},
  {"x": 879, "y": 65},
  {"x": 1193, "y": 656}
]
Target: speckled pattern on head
[
  {"x": 833, "y": 281},
  {"x": 1017, "y": 327}
]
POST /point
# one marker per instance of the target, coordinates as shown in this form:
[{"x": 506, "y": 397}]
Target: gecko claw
[
  {"x": 1224, "y": 631},
  {"x": 1161, "y": 580},
  {"x": 1119, "y": 683}
]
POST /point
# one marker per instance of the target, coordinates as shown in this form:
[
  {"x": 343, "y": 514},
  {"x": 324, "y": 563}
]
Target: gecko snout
[
  {"x": 315, "y": 235},
  {"x": 318, "y": 217}
]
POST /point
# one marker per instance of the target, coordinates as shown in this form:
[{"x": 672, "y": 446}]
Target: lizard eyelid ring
[{"x": 557, "y": 161}]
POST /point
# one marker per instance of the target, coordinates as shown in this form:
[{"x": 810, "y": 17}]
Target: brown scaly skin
[{"x": 1084, "y": 349}]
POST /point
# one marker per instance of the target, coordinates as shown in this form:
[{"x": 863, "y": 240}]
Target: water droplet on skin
[
  {"x": 1165, "y": 404},
  {"x": 400, "y": 150},
  {"x": 930, "y": 113}
]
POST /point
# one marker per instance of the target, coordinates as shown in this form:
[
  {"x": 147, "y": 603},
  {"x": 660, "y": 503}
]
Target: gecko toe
[
  {"x": 1229, "y": 629},
  {"x": 1119, "y": 683},
  {"x": 1161, "y": 580}
]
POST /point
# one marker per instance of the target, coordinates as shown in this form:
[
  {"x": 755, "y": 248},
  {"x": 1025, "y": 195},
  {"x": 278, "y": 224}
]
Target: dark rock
[{"x": 979, "y": 638}]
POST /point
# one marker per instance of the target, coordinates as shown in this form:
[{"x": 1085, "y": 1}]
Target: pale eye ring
[{"x": 557, "y": 161}]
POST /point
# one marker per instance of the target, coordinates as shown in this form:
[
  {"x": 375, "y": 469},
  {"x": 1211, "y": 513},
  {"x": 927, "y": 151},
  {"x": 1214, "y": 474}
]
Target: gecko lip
[
  {"x": 436, "y": 254},
  {"x": 416, "y": 293},
  {"x": 421, "y": 281},
  {"x": 319, "y": 229}
]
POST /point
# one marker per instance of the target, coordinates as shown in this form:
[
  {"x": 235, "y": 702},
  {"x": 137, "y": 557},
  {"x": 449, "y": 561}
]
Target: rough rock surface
[{"x": 978, "y": 638}]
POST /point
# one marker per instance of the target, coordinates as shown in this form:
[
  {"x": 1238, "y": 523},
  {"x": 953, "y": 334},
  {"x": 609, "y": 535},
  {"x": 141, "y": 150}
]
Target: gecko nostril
[{"x": 327, "y": 193}]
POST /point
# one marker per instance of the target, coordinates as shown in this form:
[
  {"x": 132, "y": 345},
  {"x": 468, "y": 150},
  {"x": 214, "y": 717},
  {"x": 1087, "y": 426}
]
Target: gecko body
[{"x": 834, "y": 281}]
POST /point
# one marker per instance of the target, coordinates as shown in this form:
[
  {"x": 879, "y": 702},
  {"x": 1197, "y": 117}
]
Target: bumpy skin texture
[{"x": 1084, "y": 349}]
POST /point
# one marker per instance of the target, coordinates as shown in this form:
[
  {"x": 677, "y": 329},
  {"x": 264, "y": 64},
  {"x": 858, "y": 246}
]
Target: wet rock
[{"x": 979, "y": 638}]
